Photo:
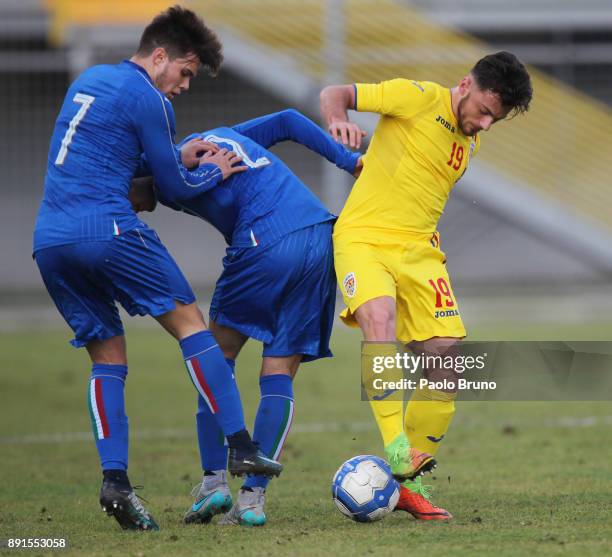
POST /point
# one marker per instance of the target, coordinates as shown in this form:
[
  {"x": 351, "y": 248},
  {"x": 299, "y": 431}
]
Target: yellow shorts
[{"x": 411, "y": 270}]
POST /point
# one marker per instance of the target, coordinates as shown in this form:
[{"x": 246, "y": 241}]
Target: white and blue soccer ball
[{"x": 364, "y": 489}]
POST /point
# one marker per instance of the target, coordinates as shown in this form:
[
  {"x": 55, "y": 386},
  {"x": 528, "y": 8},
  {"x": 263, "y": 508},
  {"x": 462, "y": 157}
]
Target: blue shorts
[
  {"x": 283, "y": 295},
  {"x": 85, "y": 279}
]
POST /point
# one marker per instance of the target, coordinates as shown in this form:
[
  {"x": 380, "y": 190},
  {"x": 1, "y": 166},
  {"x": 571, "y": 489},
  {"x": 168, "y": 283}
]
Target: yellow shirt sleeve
[{"x": 402, "y": 98}]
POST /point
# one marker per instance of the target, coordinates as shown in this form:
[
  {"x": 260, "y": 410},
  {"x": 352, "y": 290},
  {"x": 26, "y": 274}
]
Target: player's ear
[
  {"x": 159, "y": 55},
  {"x": 465, "y": 84}
]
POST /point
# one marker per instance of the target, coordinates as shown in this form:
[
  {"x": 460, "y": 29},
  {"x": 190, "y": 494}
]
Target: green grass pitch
[{"x": 521, "y": 478}]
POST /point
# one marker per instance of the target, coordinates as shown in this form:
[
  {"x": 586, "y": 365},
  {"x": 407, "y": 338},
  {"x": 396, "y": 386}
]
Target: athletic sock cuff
[
  {"x": 276, "y": 385},
  {"x": 113, "y": 370},
  {"x": 372, "y": 348},
  {"x": 197, "y": 343}
]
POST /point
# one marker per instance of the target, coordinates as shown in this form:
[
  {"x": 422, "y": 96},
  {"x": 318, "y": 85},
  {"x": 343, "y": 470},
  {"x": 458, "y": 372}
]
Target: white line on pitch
[
  {"x": 80, "y": 436},
  {"x": 308, "y": 427}
]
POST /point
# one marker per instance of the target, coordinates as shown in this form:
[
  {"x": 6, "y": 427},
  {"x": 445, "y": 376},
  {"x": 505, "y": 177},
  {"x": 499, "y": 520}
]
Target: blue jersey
[
  {"x": 111, "y": 116},
  {"x": 267, "y": 201}
]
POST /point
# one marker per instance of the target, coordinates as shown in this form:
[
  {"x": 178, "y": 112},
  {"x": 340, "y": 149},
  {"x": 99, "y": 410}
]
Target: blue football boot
[
  {"x": 248, "y": 509},
  {"x": 212, "y": 497}
]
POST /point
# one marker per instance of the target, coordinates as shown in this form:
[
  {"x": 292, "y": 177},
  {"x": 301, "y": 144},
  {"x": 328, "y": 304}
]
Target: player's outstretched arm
[
  {"x": 335, "y": 101},
  {"x": 291, "y": 125}
]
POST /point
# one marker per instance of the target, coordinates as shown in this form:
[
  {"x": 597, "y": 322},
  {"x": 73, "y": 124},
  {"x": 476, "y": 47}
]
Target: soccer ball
[{"x": 364, "y": 489}]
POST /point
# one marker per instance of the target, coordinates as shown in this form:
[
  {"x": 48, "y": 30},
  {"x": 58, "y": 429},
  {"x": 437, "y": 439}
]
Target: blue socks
[
  {"x": 211, "y": 441},
  {"x": 107, "y": 411},
  {"x": 214, "y": 380},
  {"x": 219, "y": 411},
  {"x": 272, "y": 424},
  {"x": 273, "y": 420}
]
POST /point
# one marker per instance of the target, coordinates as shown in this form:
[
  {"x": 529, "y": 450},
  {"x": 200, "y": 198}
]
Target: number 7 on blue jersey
[{"x": 85, "y": 101}]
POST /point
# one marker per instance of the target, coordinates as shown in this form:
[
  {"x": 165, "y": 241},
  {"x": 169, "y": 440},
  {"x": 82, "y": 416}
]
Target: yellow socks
[
  {"x": 428, "y": 415},
  {"x": 388, "y": 412},
  {"x": 388, "y": 415}
]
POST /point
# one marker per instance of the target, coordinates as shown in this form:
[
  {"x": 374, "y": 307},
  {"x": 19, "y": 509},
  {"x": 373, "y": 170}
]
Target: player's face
[
  {"x": 172, "y": 76},
  {"x": 477, "y": 110}
]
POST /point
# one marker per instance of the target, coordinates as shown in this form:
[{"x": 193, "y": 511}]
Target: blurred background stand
[{"x": 527, "y": 230}]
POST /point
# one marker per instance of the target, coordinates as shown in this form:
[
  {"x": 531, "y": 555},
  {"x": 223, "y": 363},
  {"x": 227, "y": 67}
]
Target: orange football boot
[{"x": 418, "y": 505}]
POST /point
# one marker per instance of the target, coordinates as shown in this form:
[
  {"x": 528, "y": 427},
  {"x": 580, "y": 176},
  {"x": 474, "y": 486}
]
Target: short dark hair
[
  {"x": 181, "y": 32},
  {"x": 504, "y": 74}
]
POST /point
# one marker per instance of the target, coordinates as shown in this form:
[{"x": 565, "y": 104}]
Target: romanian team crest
[
  {"x": 435, "y": 240},
  {"x": 350, "y": 284}
]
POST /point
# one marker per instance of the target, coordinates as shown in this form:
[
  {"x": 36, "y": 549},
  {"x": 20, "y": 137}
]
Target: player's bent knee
[
  {"x": 230, "y": 341},
  {"x": 183, "y": 321},
  {"x": 229, "y": 352},
  {"x": 110, "y": 351},
  {"x": 286, "y": 365},
  {"x": 377, "y": 323},
  {"x": 440, "y": 345}
]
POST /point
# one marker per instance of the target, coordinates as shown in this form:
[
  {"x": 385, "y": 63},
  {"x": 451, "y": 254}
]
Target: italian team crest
[
  {"x": 472, "y": 147},
  {"x": 350, "y": 284}
]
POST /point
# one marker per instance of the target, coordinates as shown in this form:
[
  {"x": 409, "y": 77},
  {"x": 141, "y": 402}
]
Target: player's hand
[
  {"x": 347, "y": 133},
  {"x": 226, "y": 161},
  {"x": 193, "y": 150},
  {"x": 142, "y": 194},
  {"x": 358, "y": 167}
]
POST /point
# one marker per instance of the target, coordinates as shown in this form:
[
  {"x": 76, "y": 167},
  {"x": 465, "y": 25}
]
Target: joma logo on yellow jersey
[
  {"x": 446, "y": 313},
  {"x": 446, "y": 124}
]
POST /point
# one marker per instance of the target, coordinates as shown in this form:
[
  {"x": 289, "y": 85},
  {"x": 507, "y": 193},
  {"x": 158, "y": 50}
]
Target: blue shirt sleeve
[
  {"x": 144, "y": 169},
  {"x": 153, "y": 119},
  {"x": 294, "y": 126}
]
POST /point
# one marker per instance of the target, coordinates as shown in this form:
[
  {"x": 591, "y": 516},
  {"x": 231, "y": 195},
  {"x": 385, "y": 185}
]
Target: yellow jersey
[{"x": 416, "y": 156}]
